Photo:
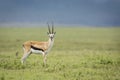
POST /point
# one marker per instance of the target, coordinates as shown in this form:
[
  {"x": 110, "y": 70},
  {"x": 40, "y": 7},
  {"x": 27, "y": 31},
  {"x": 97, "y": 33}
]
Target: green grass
[{"x": 78, "y": 54}]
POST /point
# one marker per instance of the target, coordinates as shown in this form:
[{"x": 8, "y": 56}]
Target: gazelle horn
[
  {"x": 52, "y": 27},
  {"x": 49, "y": 28}
]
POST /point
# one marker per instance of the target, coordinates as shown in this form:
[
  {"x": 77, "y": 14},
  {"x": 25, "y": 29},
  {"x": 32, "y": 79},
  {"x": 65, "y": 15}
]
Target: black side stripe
[{"x": 35, "y": 48}]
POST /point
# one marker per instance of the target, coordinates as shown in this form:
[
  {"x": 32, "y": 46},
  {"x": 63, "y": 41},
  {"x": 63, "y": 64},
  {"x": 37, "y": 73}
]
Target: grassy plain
[{"x": 78, "y": 54}]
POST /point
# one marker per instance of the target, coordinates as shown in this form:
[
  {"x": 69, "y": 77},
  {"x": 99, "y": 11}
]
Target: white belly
[{"x": 36, "y": 51}]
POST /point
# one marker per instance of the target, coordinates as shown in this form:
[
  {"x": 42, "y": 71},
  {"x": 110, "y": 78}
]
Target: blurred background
[
  {"x": 87, "y": 40},
  {"x": 62, "y": 12}
]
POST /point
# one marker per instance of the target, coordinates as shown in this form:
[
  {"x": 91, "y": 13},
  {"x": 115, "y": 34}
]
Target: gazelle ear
[
  {"x": 47, "y": 33},
  {"x": 54, "y": 32}
]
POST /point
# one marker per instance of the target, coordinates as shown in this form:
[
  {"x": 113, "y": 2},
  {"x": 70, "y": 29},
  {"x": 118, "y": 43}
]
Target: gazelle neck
[{"x": 50, "y": 44}]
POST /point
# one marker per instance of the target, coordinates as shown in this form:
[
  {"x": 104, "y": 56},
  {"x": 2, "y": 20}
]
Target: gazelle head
[{"x": 50, "y": 33}]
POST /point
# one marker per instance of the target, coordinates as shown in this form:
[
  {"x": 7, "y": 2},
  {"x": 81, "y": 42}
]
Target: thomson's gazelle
[{"x": 30, "y": 47}]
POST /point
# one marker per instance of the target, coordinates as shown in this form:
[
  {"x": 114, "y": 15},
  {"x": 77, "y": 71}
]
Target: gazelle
[{"x": 43, "y": 48}]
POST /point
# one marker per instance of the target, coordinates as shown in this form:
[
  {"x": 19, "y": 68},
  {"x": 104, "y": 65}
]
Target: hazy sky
[{"x": 76, "y": 12}]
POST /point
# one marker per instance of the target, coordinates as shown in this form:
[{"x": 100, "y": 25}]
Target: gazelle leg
[
  {"x": 24, "y": 57},
  {"x": 44, "y": 58}
]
